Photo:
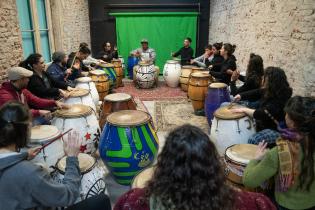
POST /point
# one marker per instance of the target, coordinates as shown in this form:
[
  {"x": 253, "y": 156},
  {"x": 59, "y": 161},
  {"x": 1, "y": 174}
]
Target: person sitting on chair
[
  {"x": 205, "y": 59},
  {"x": 107, "y": 54},
  {"x": 145, "y": 53},
  {"x": 186, "y": 52}
]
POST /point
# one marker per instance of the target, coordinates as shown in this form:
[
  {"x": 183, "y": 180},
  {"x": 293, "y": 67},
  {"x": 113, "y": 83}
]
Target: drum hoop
[
  {"x": 222, "y": 86},
  {"x": 130, "y": 125},
  {"x": 60, "y": 115},
  {"x": 84, "y": 91},
  {"x": 234, "y": 161},
  {"x": 82, "y": 173},
  {"x": 79, "y": 80},
  {"x": 126, "y": 99},
  {"x": 197, "y": 75},
  {"x": 187, "y": 67}
]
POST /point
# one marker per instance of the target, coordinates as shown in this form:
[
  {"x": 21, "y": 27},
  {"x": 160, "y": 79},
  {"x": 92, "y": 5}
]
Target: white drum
[
  {"x": 82, "y": 119},
  {"x": 87, "y": 83},
  {"x": 49, "y": 155},
  {"x": 92, "y": 176},
  {"x": 81, "y": 96},
  {"x": 230, "y": 128},
  {"x": 146, "y": 74},
  {"x": 122, "y": 62},
  {"x": 171, "y": 73}
]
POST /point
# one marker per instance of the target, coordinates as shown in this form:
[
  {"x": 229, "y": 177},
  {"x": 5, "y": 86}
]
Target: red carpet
[{"x": 161, "y": 93}]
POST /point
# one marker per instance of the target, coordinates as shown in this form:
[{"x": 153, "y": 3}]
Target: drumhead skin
[
  {"x": 198, "y": 68},
  {"x": 226, "y": 113},
  {"x": 43, "y": 133},
  {"x": 172, "y": 61},
  {"x": 188, "y": 67},
  {"x": 114, "y": 97},
  {"x": 142, "y": 178},
  {"x": 97, "y": 72},
  {"x": 76, "y": 110},
  {"x": 217, "y": 85},
  {"x": 84, "y": 80},
  {"x": 86, "y": 163},
  {"x": 128, "y": 118},
  {"x": 200, "y": 74},
  {"x": 241, "y": 153},
  {"x": 144, "y": 63},
  {"x": 78, "y": 92}
]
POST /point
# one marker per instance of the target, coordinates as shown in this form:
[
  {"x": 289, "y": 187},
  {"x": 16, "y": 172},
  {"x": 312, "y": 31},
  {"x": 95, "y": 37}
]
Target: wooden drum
[
  {"x": 198, "y": 86},
  {"x": 101, "y": 82},
  {"x": 116, "y": 102},
  {"x": 184, "y": 77},
  {"x": 119, "y": 72}
]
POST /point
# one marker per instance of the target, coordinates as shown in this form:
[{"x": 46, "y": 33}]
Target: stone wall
[
  {"x": 71, "y": 26},
  {"x": 10, "y": 37},
  {"x": 282, "y": 32}
]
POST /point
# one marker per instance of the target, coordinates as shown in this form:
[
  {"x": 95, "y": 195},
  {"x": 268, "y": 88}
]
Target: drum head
[
  {"x": 84, "y": 80},
  {"x": 115, "y": 97},
  {"x": 142, "y": 178},
  {"x": 217, "y": 85},
  {"x": 172, "y": 62},
  {"x": 188, "y": 67},
  {"x": 97, "y": 72},
  {"x": 86, "y": 163},
  {"x": 43, "y": 133},
  {"x": 144, "y": 63},
  {"x": 78, "y": 92},
  {"x": 107, "y": 65},
  {"x": 226, "y": 113},
  {"x": 75, "y": 111},
  {"x": 128, "y": 118},
  {"x": 200, "y": 74},
  {"x": 241, "y": 153},
  {"x": 198, "y": 69}
]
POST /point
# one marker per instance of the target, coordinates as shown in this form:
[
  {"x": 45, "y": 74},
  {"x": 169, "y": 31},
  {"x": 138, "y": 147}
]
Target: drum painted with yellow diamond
[{"x": 128, "y": 144}]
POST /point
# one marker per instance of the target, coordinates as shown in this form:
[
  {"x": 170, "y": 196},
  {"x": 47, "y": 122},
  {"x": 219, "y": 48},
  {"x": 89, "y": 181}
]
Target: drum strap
[{"x": 271, "y": 117}]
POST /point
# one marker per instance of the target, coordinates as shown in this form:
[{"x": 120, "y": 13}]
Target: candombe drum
[
  {"x": 87, "y": 83},
  {"x": 109, "y": 70},
  {"x": 116, "y": 102},
  {"x": 101, "y": 82},
  {"x": 132, "y": 62},
  {"x": 145, "y": 75},
  {"x": 171, "y": 73},
  {"x": 119, "y": 72},
  {"x": 198, "y": 85},
  {"x": 184, "y": 77},
  {"x": 92, "y": 176},
  {"x": 122, "y": 60},
  {"x": 198, "y": 69},
  {"x": 82, "y": 119},
  {"x": 42, "y": 134},
  {"x": 128, "y": 144},
  {"x": 230, "y": 128},
  {"x": 217, "y": 94},
  {"x": 81, "y": 96},
  {"x": 141, "y": 180}
]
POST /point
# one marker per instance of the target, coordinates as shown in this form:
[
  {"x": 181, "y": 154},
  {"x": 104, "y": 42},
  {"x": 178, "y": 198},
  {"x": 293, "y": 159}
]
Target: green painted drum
[
  {"x": 110, "y": 72},
  {"x": 128, "y": 144}
]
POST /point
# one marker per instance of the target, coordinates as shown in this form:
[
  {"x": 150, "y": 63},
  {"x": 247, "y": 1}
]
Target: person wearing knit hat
[{"x": 145, "y": 53}]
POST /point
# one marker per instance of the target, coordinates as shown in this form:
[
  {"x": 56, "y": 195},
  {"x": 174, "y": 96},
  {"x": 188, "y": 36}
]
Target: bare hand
[
  {"x": 238, "y": 110},
  {"x": 70, "y": 88},
  {"x": 76, "y": 65},
  {"x": 237, "y": 98},
  {"x": 69, "y": 71},
  {"x": 192, "y": 61},
  {"x": 61, "y": 105},
  {"x": 261, "y": 151},
  {"x": 32, "y": 152},
  {"x": 235, "y": 75},
  {"x": 115, "y": 48},
  {"x": 72, "y": 144},
  {"x": 64, "y": 94},
  {"x": 46, "y": 114}
]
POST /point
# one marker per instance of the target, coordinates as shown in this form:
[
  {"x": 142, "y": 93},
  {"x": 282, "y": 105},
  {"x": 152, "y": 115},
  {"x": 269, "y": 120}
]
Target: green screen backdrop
[{"x": 165, "y": 32}]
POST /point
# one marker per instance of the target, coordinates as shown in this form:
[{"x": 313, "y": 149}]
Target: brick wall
[
  {"x": 10, "y": 37},
  {"x": 282, "y": 32}
]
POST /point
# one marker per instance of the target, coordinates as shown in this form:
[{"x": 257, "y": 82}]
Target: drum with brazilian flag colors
[{"x": 128, "y": 144}]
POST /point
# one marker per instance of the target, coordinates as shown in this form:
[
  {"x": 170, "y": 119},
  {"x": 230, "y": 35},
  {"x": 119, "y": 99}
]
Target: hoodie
[{"x": 24, "y": 185}]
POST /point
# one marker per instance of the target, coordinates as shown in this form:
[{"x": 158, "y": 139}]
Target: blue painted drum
[{"x": 132, "y": 61}]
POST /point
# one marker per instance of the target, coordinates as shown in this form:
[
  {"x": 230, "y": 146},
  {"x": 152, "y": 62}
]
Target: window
[{"x": 35, "y": 25}]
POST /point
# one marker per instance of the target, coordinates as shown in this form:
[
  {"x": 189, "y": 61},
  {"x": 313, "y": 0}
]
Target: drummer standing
[
  {"x": 186, "y": 53},
  {"x": 145, "y": 53}
]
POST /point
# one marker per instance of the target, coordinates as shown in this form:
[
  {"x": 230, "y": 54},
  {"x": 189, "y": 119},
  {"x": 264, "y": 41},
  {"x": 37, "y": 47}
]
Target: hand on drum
[
  {"x": 235, "y": 75},
  {"x": 32, "y": 152},
  {"x": 192, "y": 61},
  {"x": 61, "y": 105},
  {"x": 237, "y": 98},
  {"x": 261, "y": 150},
  {"x": 72, "y": 144},
  {"x": 69, "y": 71},
  {"x": 64, "y": 94},
  {"x": 247, "y": 111},
  {"x": 46, "y": 114}
]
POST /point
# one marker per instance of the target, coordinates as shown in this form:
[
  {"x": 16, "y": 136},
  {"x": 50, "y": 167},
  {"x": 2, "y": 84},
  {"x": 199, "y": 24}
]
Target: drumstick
[
  {"x": 231, "y": 104},
  {"x": 55, "y": 139}
]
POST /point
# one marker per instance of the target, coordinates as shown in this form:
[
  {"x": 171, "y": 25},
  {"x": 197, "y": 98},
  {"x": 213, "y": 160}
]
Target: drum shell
[
  {"x": 132, "y": 61},
  {"x": 126, "y": 150},
  {"x": 119, "y": 72},
  {"x": 102, "y": 84},
  {"x": 86, "y": 100},
  {"x": 145, "y": 76},
  {"x": 184, "y": 79},
  {"x": 197, "y": 91},
  {"x": 93, "y": 90},
  {"x": 112, "y": 77},
  {"x": 215, "y": 97},
  {"x": 171, "y": 74}
]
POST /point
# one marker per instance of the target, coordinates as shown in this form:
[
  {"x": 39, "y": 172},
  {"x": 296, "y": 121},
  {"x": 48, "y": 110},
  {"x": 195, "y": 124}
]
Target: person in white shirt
[
  {"x": 205, "y": 59},
  {"x": 144, "y": 52}
]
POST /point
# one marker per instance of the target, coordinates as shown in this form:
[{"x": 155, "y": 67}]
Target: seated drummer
[
  {"x": 216, "y": 63},
  {"x": 90, "y": 61},
  {"x": 205, "y": 59},
  {"x": 41, "y": 84},
  {"x": 25, "y": 185},
  {"x": 292, "y": 162},
  {"x": 186, "y": 52},
  {"x": 189, "y": 175},
  {"x": 57, "y": 70},
  {"x": 75, "y": 63},
  {"x": 107, "y": 54},
  {"x": 15, "y": 90},
  {"x": 145, "y": 53}
]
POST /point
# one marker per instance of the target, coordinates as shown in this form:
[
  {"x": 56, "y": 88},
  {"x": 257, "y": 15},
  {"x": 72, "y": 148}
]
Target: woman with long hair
[
  {"x": 253, "y": 78},
  {"x": 188, "y": 175},
  {"x": 215, "y": 64},
  {"x": 272, "y": 97},
  {"x": 292, "y": 161}
]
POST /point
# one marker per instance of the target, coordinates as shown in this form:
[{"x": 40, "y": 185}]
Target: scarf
[{"x": 288, "y": 153}]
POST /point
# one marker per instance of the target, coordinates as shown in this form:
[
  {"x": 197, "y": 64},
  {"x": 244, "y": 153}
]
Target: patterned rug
[
  {"x": 161, "y": 93},
  {"x": 171, "y": 114}
]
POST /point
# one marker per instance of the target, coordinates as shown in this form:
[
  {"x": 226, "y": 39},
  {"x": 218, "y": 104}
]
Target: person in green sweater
[{"x": 292, "y": 161}]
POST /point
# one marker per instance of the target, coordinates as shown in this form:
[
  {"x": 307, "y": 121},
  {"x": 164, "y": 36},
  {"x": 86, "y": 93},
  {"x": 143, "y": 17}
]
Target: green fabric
[
  {"x": 257, "y": 172},
  {"x": 165, "y": 32}
]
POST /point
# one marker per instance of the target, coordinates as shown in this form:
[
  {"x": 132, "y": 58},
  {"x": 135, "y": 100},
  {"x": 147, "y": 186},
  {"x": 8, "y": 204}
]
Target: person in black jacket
[
  {"x": 228, "y": 65},
  {"x": 186, "y": 53},
  {"x": 273, "y": 96},
  {"x": 107, "y": 54},
  {"x": 253, "y": 78},
  {"x": 41, "y": 84},
  {"x": 215, "y": 64},
  {"x": 75, "y": 62}
]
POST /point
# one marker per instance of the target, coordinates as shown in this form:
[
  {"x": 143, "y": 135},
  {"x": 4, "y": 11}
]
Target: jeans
[
  {"x": 99, "y": 202},
  {"x": 40, "y": 121}
]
